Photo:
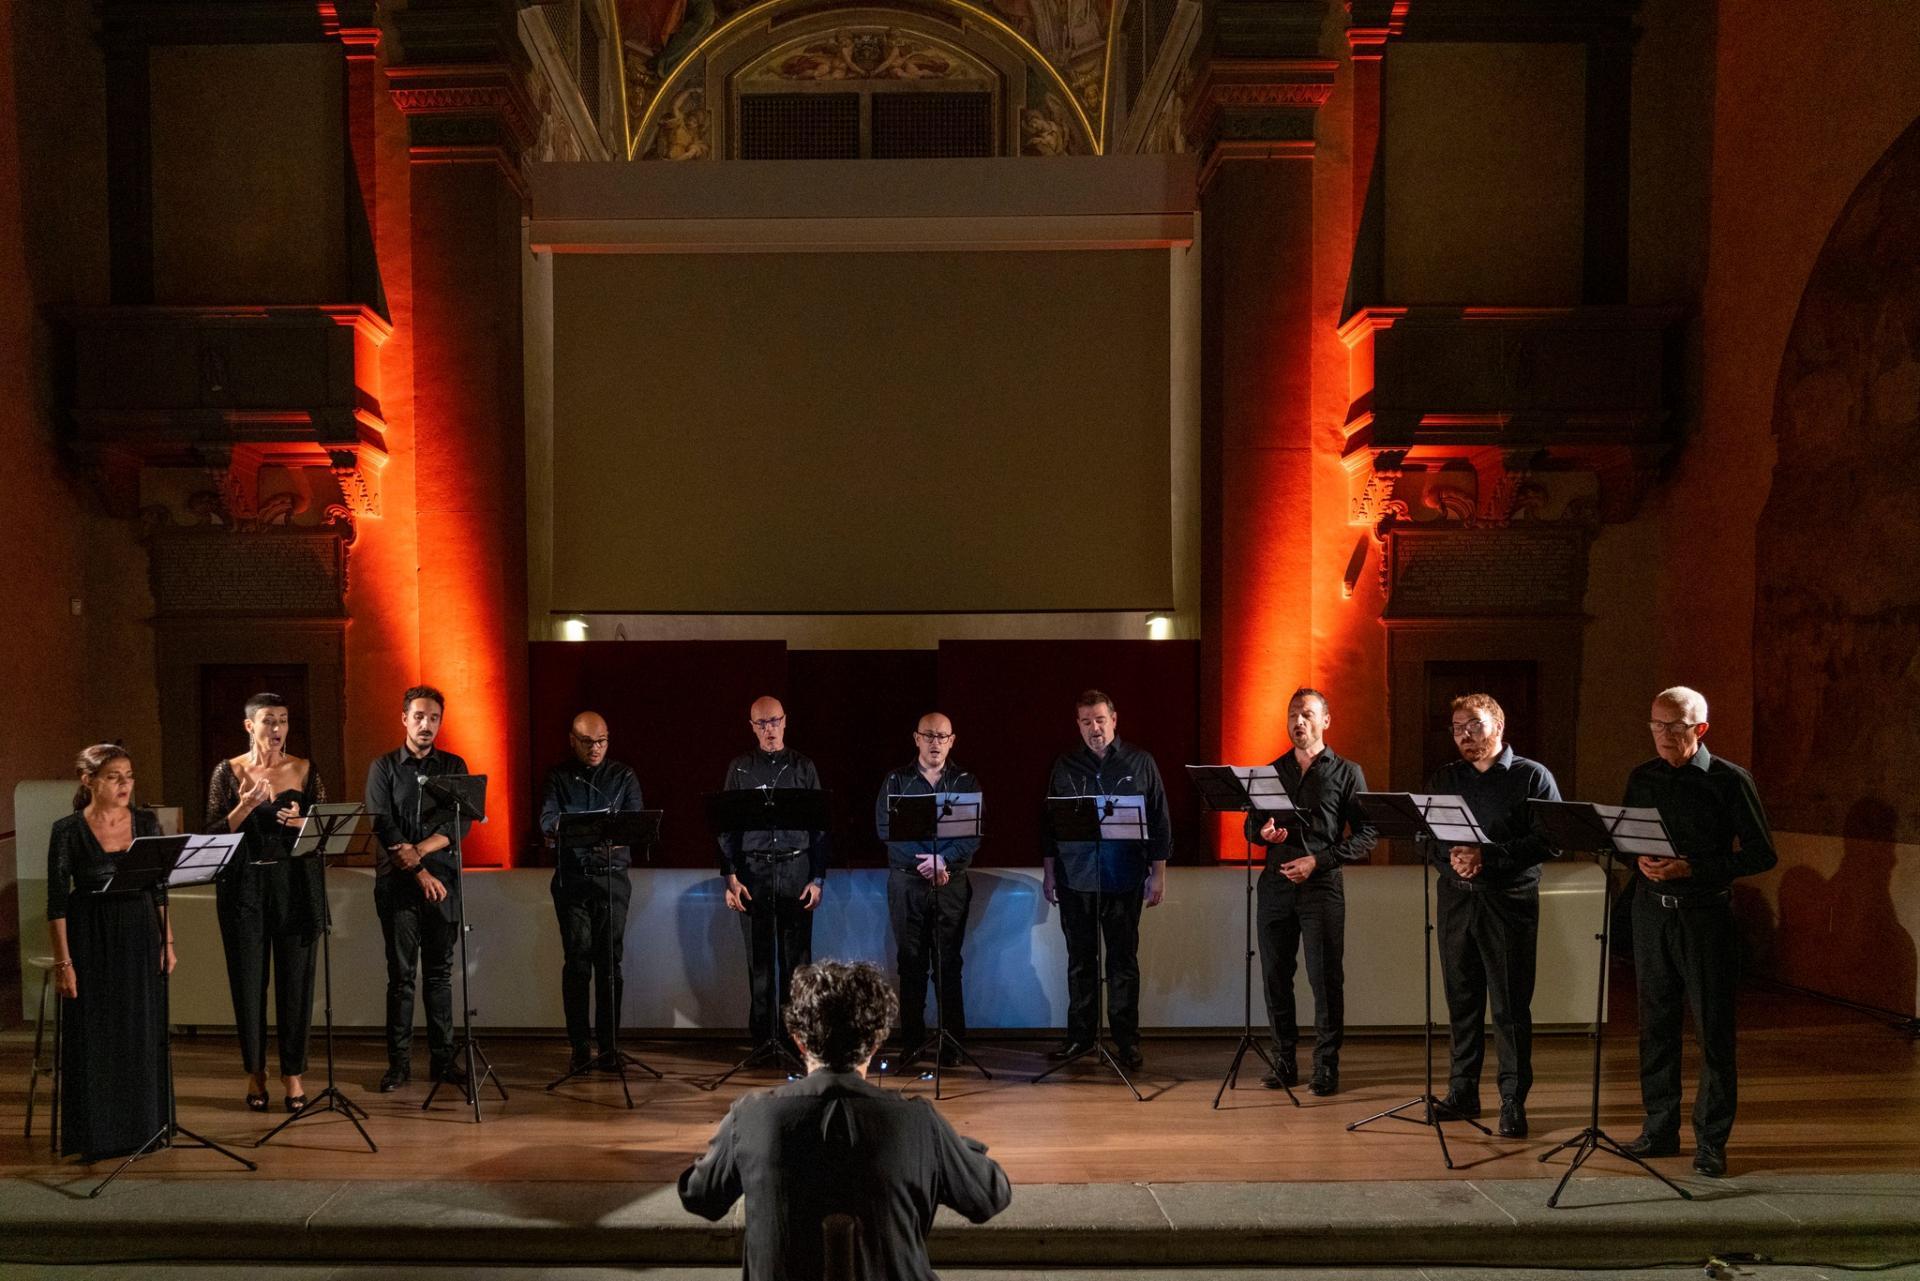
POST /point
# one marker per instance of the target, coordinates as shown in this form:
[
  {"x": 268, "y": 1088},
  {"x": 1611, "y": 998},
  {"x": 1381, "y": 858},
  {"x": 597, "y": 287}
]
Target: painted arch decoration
[{"x": 683, "y": 63}]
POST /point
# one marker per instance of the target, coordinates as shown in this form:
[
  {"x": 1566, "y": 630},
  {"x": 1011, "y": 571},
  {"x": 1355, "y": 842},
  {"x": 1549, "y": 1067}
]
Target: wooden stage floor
[{"x": 1823, "y": 1090}]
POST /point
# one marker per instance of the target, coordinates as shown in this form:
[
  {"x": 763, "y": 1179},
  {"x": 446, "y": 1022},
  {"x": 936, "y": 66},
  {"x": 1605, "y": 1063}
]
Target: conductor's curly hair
[{"x": 841, "y": 1012}]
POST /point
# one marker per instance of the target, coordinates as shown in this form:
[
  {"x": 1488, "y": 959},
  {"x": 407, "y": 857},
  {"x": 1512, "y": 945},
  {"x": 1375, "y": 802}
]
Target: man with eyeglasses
[
  {"x": 1488, "y": 909},
  {"x": 590, "y": 890},
  {"x": 928, "y": 890},
  {"x": 1685, "y": 943},
  {"x": 774, "y": 879}
]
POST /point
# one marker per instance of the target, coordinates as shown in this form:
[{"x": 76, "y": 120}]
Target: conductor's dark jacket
[{"x": 832, "y": 1144}]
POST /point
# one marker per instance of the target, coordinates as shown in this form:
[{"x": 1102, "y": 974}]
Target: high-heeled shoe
[
  {"x": 296, "y": 1102},
  {"x": 256, "y": 1102}
]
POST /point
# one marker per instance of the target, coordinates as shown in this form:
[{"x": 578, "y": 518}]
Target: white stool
[{"x": 40, "y": 1067}]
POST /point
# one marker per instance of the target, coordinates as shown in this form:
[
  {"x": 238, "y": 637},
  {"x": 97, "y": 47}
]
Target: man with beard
[{"x": 1488, "y": 909}]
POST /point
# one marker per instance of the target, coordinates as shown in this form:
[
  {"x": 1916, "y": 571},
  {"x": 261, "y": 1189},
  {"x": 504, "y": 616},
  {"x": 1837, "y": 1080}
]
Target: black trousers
[
  {"x": 1089, "y": 921},
  {"x": 419, "y": 937},
  {"x": 1288, "y": 917},
  {"x": 1687, "y": 956},
  {"x": 256, "y": 954},
  {"x": 925, "y": 918},
  {"x": 774, "y": 921},
  {"x": 1489, "y": 941},
  {"x": 591, "y": 981}
]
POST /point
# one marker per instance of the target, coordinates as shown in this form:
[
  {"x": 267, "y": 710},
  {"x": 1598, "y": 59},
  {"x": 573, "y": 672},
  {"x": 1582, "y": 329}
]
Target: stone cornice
[
  {"x": 463, "y": 111},
  {"x": 1256, "y": 108}
]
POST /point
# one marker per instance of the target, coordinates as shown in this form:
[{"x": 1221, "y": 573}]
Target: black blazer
[{"x": 833, "y": 1144}]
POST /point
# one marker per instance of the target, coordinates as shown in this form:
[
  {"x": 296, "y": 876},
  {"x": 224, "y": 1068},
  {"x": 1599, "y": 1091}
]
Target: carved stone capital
[
  {"x": 1256, "y": 109},
  {"x": 464, "y": 112}
]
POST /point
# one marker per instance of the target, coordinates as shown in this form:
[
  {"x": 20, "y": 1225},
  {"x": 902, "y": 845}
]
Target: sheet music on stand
[
  {"x": 335, "y": 829},
  {"x": 1626, "y": 831},
  {"x": 1451, "y": 819},
  {"x": 1264, "y": 784},
  {"x": 175, "y": 861},
  {"x": 926, "y": 816},
  {"x": 1638, "y": 831},
  {"x": 1121, "y": 818}
]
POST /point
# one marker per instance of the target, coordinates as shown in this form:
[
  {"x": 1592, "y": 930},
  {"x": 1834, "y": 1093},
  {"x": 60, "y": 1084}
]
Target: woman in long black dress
[
  {"x": 111, "y": 953},
  {"x": 270, "y": 905}
]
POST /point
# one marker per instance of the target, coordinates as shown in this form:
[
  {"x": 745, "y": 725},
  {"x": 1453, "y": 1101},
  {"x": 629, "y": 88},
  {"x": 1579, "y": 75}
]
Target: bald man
[
  {"x": 590, "y": 892},
  {"x": 928, "y": 891},
  {"x": 774, "y": 879}
]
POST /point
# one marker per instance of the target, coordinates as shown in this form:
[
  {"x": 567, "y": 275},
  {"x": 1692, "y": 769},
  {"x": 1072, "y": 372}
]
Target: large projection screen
[{"x": 908, "y": 432}]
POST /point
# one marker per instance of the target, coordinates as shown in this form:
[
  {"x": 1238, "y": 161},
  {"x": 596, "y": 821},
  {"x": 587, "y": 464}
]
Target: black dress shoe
[
  {"x": 1646, "y": 1145},
  {"x": 1464, "y": 1104},
  {"x": 1129, "y": 1057},
  {"x": 950, "y": 1057},
  {"x": 1325, "y": 1081},
  {"x": 580, "y": 1059},
  {"x": 1710, "y": 1161},
  {"x": 1285, "y": 1073},
  {"x": 396, "y": 1076},
  {"x": 1513, "y": 1119},
  {"x": 1069, "y": 1049},
  {"x": 449, "y": 1074}
]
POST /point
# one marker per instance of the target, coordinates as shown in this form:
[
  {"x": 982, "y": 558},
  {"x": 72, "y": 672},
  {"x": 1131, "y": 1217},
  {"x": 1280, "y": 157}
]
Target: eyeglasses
[
  {"x": 1671, "y": 727},
  {"x": 590, "y": 742},
  {"x": 935, "y": 739},
  {"x": 772, "y": 722},
  {"x": 1471, "y": 729}
]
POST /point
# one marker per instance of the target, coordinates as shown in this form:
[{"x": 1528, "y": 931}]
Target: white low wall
[{"x": 686, "y": 959}]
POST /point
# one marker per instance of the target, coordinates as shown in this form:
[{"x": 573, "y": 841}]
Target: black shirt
[
  {"x": 834, "y": 1144},
  {"x": 909, "y": 781},
  {"x": 1324, "y": 809},
  {"x": 578, "y": 788},
  {"x": 1498, "y": 797},
  {"x": 1111, "y": 867},
  {"x": 782, "y": 769},
  {"x": 403, "y": 814},
  {"x": 1710, "y": 806}
]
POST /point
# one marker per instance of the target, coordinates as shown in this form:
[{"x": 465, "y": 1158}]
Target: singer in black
[
  {"x": 1686, "y": 944},
  {"x": 928, "y": 890},
  {"x": 774, "y": 879},
  {"x": 111, "y": 956},
  {"x": 1100, "y": 886},
  {"x": 271, "y": 905},
  {"x": 1488, "y": 908},
  {"x": 1301, "y": 899},
  {"x": 413, "y": 886},
  {"x": 593, "y": 923}
]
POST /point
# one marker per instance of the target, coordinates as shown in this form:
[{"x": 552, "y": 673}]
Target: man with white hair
[{"x": 1685, "y": 943}]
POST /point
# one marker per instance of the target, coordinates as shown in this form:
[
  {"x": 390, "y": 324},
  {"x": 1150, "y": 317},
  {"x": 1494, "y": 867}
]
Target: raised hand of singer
[
  {"x": 289, "y": 815},
  {"x": 1272, "y": 833},
  {"x": 257, "y": 793}
]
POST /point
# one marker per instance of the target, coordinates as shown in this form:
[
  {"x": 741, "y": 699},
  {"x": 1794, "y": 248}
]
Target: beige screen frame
[{"x": 923, "y": 432}]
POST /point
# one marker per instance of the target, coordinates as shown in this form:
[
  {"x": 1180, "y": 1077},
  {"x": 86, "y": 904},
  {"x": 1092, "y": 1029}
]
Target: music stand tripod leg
[{"x": 1247, "y": 1039}]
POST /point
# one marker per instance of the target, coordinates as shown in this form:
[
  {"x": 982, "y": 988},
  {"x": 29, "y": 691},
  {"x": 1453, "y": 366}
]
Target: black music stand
[
  {"x": 947, "y": 816},
  {"x": 768, "y": 809},
  {"x": 1429, "y": 822},
  {"x": 336, "y": 830},
  {"x": 603, "y": 831},
  {"x": 466, "y": 796},
  {"x": 1095, "y": 819},
  {"x": 173, "y": 861},
  {"x": 1611, "y": 833},
  {"x": 1229, "y": 789}
]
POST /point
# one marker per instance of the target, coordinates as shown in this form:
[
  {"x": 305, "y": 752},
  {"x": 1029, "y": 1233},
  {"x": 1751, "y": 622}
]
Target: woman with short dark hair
[
  {"x": 110, "y": 955},
  {"x": 270, "y": 905}
]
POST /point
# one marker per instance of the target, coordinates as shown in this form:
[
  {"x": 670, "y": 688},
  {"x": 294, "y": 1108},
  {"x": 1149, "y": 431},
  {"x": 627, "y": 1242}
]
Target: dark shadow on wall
[{"x": 1842, "y": 934}]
